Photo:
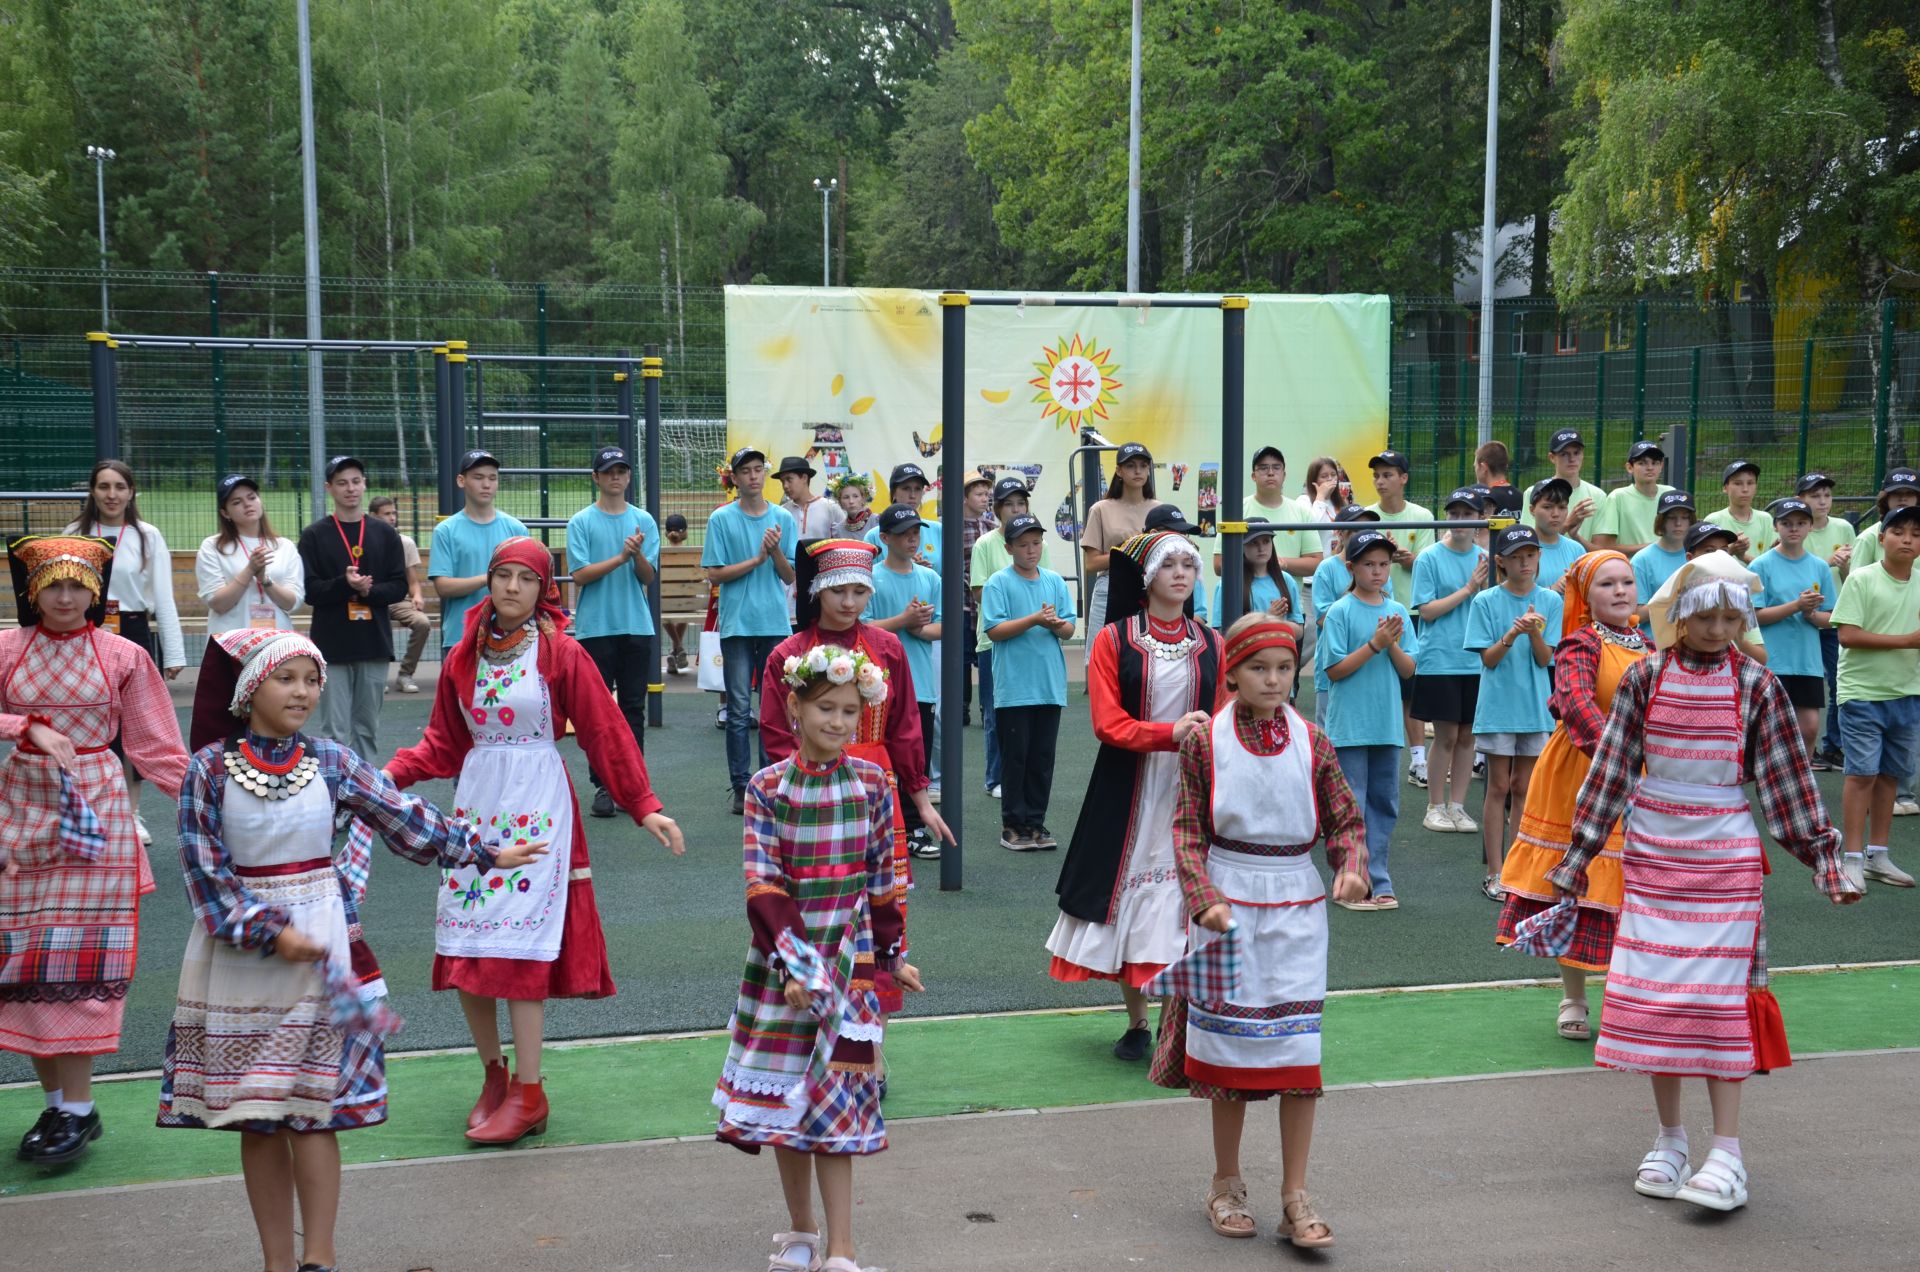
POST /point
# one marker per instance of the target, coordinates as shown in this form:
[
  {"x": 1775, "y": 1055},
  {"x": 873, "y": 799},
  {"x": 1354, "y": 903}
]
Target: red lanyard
[{"x": 353, "y": 549}]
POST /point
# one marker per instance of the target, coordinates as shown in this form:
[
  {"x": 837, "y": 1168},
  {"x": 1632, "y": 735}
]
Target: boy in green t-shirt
[
  {"x": 1878, "y": 617},
  {"x": 1752, "y": 527},
  {"x": 1625, "y": 521}
]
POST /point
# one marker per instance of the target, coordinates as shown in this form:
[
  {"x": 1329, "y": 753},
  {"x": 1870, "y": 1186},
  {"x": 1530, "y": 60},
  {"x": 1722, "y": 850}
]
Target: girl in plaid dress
[
  {"x": 70, "y": 910},
  {"x": 802, "y": 1074},
  {"x": 1257, "y": 786}
]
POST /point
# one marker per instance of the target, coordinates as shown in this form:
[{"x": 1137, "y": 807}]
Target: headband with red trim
[{"x": 1249, "y": 641}]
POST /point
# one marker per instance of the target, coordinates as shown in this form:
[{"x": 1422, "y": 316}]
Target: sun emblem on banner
[{"x": 1076, "y": 382}]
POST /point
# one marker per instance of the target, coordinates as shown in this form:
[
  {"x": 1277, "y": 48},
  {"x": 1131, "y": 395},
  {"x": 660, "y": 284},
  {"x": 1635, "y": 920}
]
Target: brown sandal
[
  {"x": 1300, "y": 1218},
  {"x": 1227, "y": 1199}
]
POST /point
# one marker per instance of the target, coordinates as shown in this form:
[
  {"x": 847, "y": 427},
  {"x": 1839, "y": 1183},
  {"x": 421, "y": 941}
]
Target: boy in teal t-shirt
[
  {"x": 1656, "y": 563},
  {"x": 1331, "y": 581},
  {"x": 463, "y": 544},
  {"x": 1027, "y": 611},
  {"x": 906, "y": 602},
  {"x": 1794, "y": 609},
  {"x": 1446, "y": 681},
  {"x": 1547, "y": 513}
]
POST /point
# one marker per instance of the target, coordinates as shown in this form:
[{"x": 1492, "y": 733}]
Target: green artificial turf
[{"x": 612, "y": 1092}]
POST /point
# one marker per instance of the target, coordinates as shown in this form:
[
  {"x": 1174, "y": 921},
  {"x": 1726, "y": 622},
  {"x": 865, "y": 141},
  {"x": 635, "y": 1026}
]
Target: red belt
[
  {"x": 287, "y": 868},
  {"x": 27, "y": 748}
]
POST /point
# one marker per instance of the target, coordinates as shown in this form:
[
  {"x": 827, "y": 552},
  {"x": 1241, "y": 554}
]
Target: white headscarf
[{"x": 1713, "y": 581}]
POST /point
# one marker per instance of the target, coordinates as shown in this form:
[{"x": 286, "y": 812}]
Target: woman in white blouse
[
  {"x": 139, "y": 600},
  {"x": 248, "y": 577}
]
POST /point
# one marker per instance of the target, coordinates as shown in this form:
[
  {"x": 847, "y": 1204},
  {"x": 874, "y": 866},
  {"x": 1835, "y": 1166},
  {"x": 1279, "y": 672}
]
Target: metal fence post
[
  {"x": 1433, "y": 395},
  {"x": 1693, "y": 413},
  {"x": 446, "y": 429},
  {"x": 1806, "y": 405},
  {"x": 651, "y": 369},
  {"x": 953, "y": 595},
  {"x": 1519, "y": 411},
  {"x": 1461, "y": 449},
  {"x": 1600, "y": 414},
  {"x": 1639, "y": 369},
  {"x": 1233, "y": 457},
  {"x": 623, "y": 400},
  {"x": 1883, "y": 397},
  {"x": 106, "y": 402},
  {"x": 540, "y": 397},
  {"x": 216, "y": 362}
]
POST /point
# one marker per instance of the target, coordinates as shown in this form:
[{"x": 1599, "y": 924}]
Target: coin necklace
[{"x": 268, "y": 780}]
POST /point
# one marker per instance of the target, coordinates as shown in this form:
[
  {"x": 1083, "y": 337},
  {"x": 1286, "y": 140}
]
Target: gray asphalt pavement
[{"x": 1524, "y": 1172}]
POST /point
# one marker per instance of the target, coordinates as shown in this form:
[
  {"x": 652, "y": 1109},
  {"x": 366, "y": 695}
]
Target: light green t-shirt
[
  {"x": 1415, "y": 541},
  {"x": 1875, "y": 601},
  {"x": 1585, "y": 490},
  {"x": 1286, "y": 543},
  {"x": 1824, "y": 541},
  {"x": 1627, "y": 515},
  {"x": 1866, "y": 547},
  {"x": 1759, "y": 531},
  {"x": 989, "y": 558}
]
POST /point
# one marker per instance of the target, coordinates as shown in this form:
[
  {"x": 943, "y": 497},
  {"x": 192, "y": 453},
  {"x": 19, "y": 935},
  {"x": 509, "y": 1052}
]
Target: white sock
[
  {"x": 79, "y": 1108},
  {"x": 1853, "y": 856},
  {"x": 1419, "y": 755},
  {"x": 1728, "y": 1144},
  {"x": 54, "y": 1097},
  {"x": 1875, "y": 849}
]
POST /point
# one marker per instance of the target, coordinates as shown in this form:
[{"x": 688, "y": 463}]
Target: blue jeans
[
  {"x": 1373, "y": 772},
  {"x": 985, "y": 658},
  {"x": 741, "y": 658},
  {"x": 1830, "y": 659}
]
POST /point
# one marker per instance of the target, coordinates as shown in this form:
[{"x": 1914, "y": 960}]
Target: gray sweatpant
[{"x": 349, "y": 710}]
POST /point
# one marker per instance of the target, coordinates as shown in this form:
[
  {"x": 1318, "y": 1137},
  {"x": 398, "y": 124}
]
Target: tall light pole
[
  {"x": 1487, "y": 263},
  {"x": 825, "y": 190},
  {"x": 100, "y": 155},
  {"x": 309, "y": 197},
  {"x": 1133, "y": 161}
]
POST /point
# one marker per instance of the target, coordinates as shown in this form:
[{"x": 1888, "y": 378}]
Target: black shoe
[
  {"x": 1043, "y": 838},
  {"x": 67, "y": 1138},
  {"x": 31, "y": 1141},
  {"x": 315, "y": 1267},
  {"x": 922, "y": 844},
  {"x": 1133, "y": 1045},
  {"x": 603, "y": 803},
  {"x": 739, "y": 803}
]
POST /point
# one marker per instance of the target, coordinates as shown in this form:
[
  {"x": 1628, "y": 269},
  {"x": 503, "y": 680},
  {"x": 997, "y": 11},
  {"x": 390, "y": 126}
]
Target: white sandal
[
  {"x": 1719, "y": 1184},
  {"x": 1668, "y": 1158},
  {"x": 837, "y": 1264},
  {"x": 785, "y": 1244},
  {"x": 1572, "y": 1021}
]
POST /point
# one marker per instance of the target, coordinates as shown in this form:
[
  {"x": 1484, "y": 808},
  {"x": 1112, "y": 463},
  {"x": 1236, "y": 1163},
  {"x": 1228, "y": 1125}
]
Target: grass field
[{"x": 677, "y": 930}]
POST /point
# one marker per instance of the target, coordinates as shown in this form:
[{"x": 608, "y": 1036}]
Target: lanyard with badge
[
  {"x": 261, "y": 614},
  {"x": 110, "y": 617},
  {"x": 357, "y": 611}
]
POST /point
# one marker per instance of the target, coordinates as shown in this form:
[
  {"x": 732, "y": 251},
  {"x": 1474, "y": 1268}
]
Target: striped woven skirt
[{"x": 1681, "y": 993}]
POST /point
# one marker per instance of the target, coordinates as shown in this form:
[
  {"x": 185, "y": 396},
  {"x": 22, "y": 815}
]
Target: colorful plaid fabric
[
  {"x": 1548, "y": 934},
  {"x": 81, "y": 832},
  {"x": 1593, "y": 931},
  {"x": 1208, "y": 974}
]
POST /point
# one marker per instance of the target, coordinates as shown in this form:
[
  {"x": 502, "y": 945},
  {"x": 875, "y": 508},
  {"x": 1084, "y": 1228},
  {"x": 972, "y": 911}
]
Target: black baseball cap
[
  {"x": 1645, "y": 450},
  {"x": 794, "y": 464},
  {"x": 1789, "y": 507},
  {"x": 1166, "y": 516},
  {"x": 1470, "y": 496},
  {"x": 1900, "y": 479},
  {"x": 610, "y": 457},
  {"x": 1738, "y": 466},
  {"x": 1352, "y": 512},
  {"x": 1705, "y": 532},
  {"x": 1513, "y": 538},
  {"x": 1132, "y": 450},
  {"x": 474, "y": 458},
  {"x": 1020, "y": 525},
  {"x": 1669, "y": 502},
  {"x": 1390, "y": 459},
  {"x": 1909, "y": 512},
  {"x": 1265, "y": 451},
  {"x": 899, "y": 518},
  {"x": 1258, "y": 528},
  {"x": 1564, "y": 438},
  {"x": 676, "y": 521},
  {"x": 1813, "y": 481},
  {"x": 339, "y": 462},
  {"x": 1550, "y": 486},
  {"x": 906, "y": 472},
  {"x": 1007, "y": 487},
  {"x": 744, "y": 454},
  {"x": 1365, "y": 539},
  {"x": 232, "y": 482}
]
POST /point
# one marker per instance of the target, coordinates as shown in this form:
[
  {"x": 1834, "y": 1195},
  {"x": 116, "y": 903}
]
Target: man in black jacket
[{"x": 355, "y": 570}]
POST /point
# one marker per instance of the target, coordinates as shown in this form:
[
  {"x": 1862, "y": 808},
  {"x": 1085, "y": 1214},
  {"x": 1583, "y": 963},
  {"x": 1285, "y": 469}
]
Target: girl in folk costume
[
  {"x": 1600, "y": 642},
  {"x": 833, "y": 580},
  {"x": 73, "y": 869},
  {"x": 1257, "y": 786},
  {"x": 802, "y": 1074},
  {"x": 278, "y": 1024},
  {"x": 505, "y": 696},
  {"x": 1687, "y": 988},
  {"x": 854, "y": 493},
  {"x": 1154, "y": 678}
]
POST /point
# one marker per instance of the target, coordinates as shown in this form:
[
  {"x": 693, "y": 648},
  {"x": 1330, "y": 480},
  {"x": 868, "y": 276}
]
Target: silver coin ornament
[{"x": 271, "y": 786}]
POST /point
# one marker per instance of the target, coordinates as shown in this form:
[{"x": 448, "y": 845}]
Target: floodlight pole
[
  {"x": 309, "y": 198},
  {"x": 1233, "y": 448},
  {"x": 1487, "y": 262},
  {"x": 825, "y": 190},
  {"x": 1133, "y": 160},
  {"x": 100, "y": 156},
  {"x": 953, "y": 586}
]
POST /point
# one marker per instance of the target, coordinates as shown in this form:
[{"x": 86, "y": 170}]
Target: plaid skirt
[
  {"x": 80, "y": 1026},
  {"x": 1593, "y": 931}
]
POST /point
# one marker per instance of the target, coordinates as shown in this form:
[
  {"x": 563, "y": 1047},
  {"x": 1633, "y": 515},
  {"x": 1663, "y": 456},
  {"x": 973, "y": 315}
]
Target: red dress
[{"x": 576, "y": 692}]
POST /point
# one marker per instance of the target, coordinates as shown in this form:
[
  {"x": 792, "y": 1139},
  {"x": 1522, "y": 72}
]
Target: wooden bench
[{"x": 683, "y": 586}]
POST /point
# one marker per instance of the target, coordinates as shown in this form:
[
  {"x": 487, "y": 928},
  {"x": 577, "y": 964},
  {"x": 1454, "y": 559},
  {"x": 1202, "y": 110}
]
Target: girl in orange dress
[{"x": 1600, "y": 643}]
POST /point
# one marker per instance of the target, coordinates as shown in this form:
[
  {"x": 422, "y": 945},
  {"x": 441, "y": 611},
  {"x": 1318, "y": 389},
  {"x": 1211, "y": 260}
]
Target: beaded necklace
[
  {"x": 268, "y": 779},
  {"x": 500, "y": 649},
  {"x": 1169, "y": 642}
]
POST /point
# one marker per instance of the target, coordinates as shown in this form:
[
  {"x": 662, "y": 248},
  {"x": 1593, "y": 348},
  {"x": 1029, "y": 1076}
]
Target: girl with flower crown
[
  {"x": 854, "y": 493},
  {"x": 506, "y": 693},
  {"x": 802, "y": 1075}
]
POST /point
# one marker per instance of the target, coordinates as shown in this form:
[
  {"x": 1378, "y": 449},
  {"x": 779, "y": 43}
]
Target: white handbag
[{"x": 713, "y": 676}]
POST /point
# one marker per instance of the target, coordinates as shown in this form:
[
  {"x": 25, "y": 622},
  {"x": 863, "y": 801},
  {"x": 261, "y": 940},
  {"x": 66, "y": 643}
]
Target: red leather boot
[
  {"x": 492, "y": 1092},
  {"x": 522, "y": 1113}
]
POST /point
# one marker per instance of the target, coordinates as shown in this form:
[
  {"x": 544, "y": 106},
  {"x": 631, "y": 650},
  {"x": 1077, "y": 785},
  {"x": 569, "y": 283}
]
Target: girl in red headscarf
[{"x": 506, "y": 693}]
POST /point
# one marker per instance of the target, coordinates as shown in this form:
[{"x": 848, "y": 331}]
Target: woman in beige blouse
[{"x": 1112, "y": 521}]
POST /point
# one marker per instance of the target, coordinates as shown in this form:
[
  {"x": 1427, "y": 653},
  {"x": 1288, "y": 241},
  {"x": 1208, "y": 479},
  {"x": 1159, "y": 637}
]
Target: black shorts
[
  {"x": 1445, "y": 699},
  {"x": 1406, "y": 690},
  {"x": 1806, "y": 693}
]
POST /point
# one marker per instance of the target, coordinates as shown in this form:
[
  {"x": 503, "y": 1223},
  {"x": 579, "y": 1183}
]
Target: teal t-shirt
[
  {"x": 1030, "y": 670},
  {"x": 1557, "y": 558},
  {"x": 1363, "y": 709},
  {"x": 891, "y": 594},
  {"x": 1793, "y": 643},
  {"x": 615, "y": 604},
  {"x": 929, "y": 544},
  {"x": 756, "y": 603},
  {"x": 1653, "y": 565},
  {"x": 460, "y": 549},
  {"x": 1441, "y": 571},
  {"x": 1331, "y": 580},
  {"x": 1513, "y": 695},
  {"x": 1265, "y": 593}
]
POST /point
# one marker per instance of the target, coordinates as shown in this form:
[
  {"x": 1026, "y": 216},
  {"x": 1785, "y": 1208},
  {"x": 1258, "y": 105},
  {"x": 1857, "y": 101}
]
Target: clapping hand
[
  {"x": 1479, "y": 579},
  {"x": 1809, "y": 600},
  {"x": 635, "y": 543},
  {"x": 1386, "y": 632},
  {"x": 919, "y": 614},
  {"x": 770, "y": 541},
  {"x": 1279, "y": 606},
  {"x": 1529, "y": 623},
  {"x": 260, "y": 560},
  {"x": 359, "y": 582}
]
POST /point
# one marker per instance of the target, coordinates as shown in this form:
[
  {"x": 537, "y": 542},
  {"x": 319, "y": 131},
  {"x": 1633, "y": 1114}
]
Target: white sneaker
[
  {"x": 1880, "y": 868},
  {"x": 1905, "y": 808},
  {"x": 1462, "y": 822},
  {"x": 995, "y": 792},
  {"x": 140, "y": 828},
  {"x": 1438, "y": 819},
  {"x": 1855, "y": 870},
  {"x": 409, "y": 685},
  {"x": 1417, "y": 774}
]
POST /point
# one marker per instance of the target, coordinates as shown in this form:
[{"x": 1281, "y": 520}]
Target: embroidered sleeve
[
  {"x": 884, "y": 894},
  {"x": 771, "y": 909},
  {"x": 232, "y": 914},
  {"x": 1576, "y": 670},
  {"x": 1193, "y": 823},
  {"x": 1796, "y": 815},
  {"x": 1341, "y": 824},
  {"x": 412, "y": 827},
  {"x": 1616, "y": 765}
]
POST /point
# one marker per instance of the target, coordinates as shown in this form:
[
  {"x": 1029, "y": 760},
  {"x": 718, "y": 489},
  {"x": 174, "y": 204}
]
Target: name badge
[
  {"x": 359, "y": 613},
  {"x": 112, "y": 621},
  {"x": 262, "y": 617}
]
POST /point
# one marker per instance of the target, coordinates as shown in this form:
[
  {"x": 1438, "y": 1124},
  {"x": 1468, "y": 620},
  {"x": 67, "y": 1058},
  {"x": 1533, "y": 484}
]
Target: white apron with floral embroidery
[{"x": 514, "y": 787}]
